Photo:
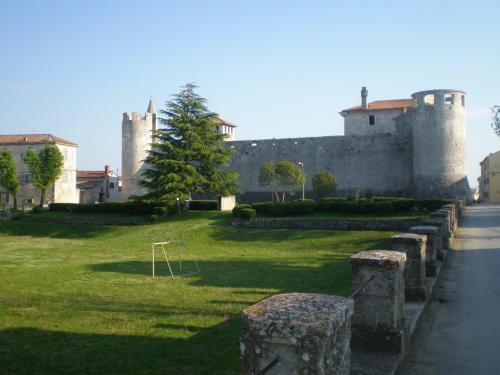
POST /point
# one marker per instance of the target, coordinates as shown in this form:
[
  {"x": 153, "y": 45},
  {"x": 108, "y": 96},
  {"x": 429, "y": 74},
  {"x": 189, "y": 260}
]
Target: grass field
[{"x": 81, "y": 299}]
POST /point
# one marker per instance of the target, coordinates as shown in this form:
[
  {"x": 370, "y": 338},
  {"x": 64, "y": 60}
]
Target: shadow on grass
[
  {"x": 32, "y": 229},
  {"x": 37, "y": 351}
]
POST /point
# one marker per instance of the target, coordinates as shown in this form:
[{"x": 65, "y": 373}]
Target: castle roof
[
  {"x": 383, "y": 104},
  {"x": 25, "y": 139},
  {"x": 219, "y": 121},
  {"x": 151, "y": 107}
]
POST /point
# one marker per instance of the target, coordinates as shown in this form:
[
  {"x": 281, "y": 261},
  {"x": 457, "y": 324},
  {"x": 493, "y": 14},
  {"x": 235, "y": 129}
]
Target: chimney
[
  {"x": 106, "y": 170},
  {"x": 364, "y": 97}
]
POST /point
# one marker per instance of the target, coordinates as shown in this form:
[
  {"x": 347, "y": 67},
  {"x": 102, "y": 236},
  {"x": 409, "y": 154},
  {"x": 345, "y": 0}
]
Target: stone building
[
  {"x": 98, "y": 186},
  {"x": 64, "y": 189},
  {"x": 413, "y": 146},
  {"x": 489, "y": 181}
]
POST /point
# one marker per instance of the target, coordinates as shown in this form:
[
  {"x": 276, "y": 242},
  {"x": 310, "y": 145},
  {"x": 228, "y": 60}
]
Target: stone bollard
[
  {"x": 309, "y": 333},
  {"x": 378, "y": 320},
  {"x": 413, "y": 245},
  {"x": 453, "y": 216},
  {"x": 447, "y": 234},
  {"x": 440, "y": 224},
  {"x": 432, "y": 234}
]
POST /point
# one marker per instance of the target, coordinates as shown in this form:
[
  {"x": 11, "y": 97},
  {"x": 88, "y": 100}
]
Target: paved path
[{"x": 460, "y": 330}]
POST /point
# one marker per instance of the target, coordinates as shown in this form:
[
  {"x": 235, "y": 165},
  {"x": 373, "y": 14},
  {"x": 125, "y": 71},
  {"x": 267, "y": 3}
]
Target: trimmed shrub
[
  {"x": 154, "y": 218},
  {"x": 247, "y": 214},
  {"x": 37, "y": 210},
  {"x": 130, "y": 208},
  {"x": 432, "y": 204},
  {"x": 375, "y": 208},
  {"x": 203, "y": 205},
  {"x": 165, "y": 210},
  {"x": 287, "y": 208},
  {"x": 238, "y": 208}
]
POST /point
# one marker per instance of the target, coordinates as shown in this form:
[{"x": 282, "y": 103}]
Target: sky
[{"x": 274, "y": 68}]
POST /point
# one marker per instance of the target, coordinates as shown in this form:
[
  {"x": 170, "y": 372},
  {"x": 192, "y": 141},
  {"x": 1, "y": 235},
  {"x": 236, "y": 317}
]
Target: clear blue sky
[{"x": 275, "y": 68}]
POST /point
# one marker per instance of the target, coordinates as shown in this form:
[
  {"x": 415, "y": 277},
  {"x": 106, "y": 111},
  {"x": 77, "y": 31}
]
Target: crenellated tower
[
  {"x": 136, "y": 141},
  {"x": 438, "y": 133}
]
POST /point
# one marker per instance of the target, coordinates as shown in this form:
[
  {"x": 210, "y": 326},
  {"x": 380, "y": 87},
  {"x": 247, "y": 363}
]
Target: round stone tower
[
  {"x": 438, "y": 133},
  {"x": 136, "y": 142}
]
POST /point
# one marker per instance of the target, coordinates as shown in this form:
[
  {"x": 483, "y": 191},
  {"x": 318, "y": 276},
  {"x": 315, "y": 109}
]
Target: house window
[
  {"x": 111, "y": 185},
  {"x": 66, "y": 154},
  {"x": 29, "y": 201},
  {"x": 371, "y": 120},
  {"x": 28, "y": 177}
]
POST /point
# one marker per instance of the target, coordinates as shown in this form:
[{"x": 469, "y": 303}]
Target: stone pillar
[
  {"x": 453, "y": 215},
  {"x": 413, "y": 245},
  {"x": 440, "y": 224},
  {"x": 432, "y": 234},
  {"x": 378, "y": 320},
  {"x": 447, "y": 234},
  {"x": 309, "y": 333}
]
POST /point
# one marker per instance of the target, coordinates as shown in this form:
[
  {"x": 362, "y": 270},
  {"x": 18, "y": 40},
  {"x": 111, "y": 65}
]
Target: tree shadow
[
  {"x": 38, "y": 351},
  {"x": 67, "y": 231}
]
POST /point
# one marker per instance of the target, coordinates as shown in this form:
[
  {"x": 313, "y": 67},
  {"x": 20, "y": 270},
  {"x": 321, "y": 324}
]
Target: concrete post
[
  {"x": 440, "y": 224},
  {"x": 447, "y": 234},
  {"x": 413, "y": 245},
  {"x": 432, "y": 234},
  {"x": 309, "y": 333},
  {"x": 378, "y": 308}
]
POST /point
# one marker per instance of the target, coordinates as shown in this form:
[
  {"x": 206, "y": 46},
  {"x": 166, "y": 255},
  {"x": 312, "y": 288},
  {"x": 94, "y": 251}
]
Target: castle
[{"x": 413, "y": 147}]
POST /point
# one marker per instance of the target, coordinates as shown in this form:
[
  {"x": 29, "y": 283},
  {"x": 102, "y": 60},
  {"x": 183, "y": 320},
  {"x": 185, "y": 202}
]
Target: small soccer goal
[{"x": 173, "y": 251}]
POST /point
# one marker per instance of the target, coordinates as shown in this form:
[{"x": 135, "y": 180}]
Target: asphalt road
[{"x": 460, "y": 330}]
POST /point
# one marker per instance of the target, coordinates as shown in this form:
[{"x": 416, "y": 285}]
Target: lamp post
[{"x": 304, "y": 182}]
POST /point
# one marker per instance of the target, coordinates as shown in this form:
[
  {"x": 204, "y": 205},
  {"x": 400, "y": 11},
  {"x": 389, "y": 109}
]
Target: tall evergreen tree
[
  {"x": 45, "y": 167},
  {"x": 8, "y": 174},
  {"x": 187, "y": 154}
]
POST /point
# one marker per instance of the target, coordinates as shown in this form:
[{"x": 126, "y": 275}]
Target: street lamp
[{"x": 304, "y": 181}]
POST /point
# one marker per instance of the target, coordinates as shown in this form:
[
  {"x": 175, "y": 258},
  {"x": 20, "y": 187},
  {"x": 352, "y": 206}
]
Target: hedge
[
  {"x": 131, "y": 208},
  {"x": 285, "y": 208},
  {"x": 237, "y": 209},
  {"x": 203, "y": 205},
  {"x": 246, "y": 213}
]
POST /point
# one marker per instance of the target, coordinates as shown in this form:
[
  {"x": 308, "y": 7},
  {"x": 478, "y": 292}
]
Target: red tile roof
[
  {"x": 87, "y": 174},
  {"x": 19, "y": 139},
  {"x": 384, "y": 104},
  {"x": 219, "y": 121}
]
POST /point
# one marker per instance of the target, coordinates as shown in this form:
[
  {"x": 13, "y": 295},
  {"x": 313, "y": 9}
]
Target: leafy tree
[
  {"x": 188, "y": 154},
  {"x": 267, "y": 177},
  {"x": 288, "y": 175},
  {"x": 495, "y": 122},
  {"x": 8, "y": 174},
  {"x": 45, "y": 167},
  {"x": 324, "y": 184}
]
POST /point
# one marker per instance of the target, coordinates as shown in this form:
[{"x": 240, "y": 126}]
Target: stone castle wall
[{"x": 380, "y": 163}]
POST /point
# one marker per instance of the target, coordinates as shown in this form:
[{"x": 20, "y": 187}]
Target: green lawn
[{"x": 81, "y": 299}]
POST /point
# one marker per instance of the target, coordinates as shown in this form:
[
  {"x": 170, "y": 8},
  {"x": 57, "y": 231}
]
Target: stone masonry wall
[{"x": 380, "y": 163}]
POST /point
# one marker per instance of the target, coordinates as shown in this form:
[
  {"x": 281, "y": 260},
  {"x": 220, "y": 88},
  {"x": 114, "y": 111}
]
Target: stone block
[
  {"x": 413, "y": 245},
  {"x": 453, "y": 215},
  {"x": 309, "y": 333},
  {"x": 440, "y": 224},
  {"x": 432, "y": 234},
  {"x": 379, "y": 307},
  {"x": 447, "y": 233}
]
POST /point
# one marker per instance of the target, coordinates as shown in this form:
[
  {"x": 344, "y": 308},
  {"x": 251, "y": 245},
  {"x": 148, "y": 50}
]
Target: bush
[
  {"x": 203, "y": 205},
  {"x": 375, "y": 208},
  {"x": 287, "y": 208},
  {"x": 238, "y": 208},
  {"x": 432, "y": 204},
  {"x": 247, "y": 214},
  {"x": 165, "y": 210},
  {"x": 130, "y": 208},
  {"x": 37, "y": 210},
  {"x": 154, "y": 218},
  {"x": 324, "y": 184}
]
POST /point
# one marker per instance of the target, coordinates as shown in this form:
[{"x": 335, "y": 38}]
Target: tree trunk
[
  {"x": 283, "y": 198},
  {"x": 15, "y": 202},
  {"x": 42, "y": 198}
]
